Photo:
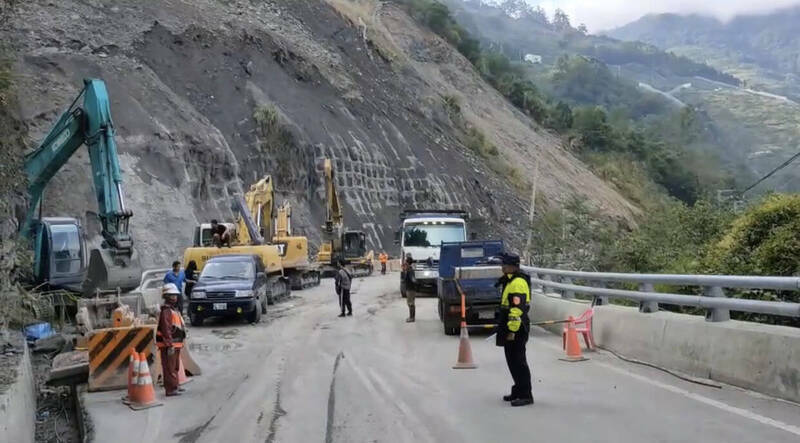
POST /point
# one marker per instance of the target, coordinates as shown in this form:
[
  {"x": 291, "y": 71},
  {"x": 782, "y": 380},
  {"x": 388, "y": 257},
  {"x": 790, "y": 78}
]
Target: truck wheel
[
  {"x": 450, "y": 330},
  {"x": 441, "y": 311},
  {"x": 195, "y": 320}
]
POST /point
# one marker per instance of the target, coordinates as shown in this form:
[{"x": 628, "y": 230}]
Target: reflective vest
[
  {"x": 515, "y": 301},
  {"x": 384, "y": 258},
  {"x": 178, "y": 332}
]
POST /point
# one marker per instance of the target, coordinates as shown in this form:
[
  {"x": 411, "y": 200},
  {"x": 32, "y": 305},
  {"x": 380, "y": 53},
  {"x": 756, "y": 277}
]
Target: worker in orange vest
[
  {"x": 383, "y": 259},
  {"x": 170, "y": 335}
]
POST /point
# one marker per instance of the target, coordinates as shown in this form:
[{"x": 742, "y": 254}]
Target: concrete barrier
[
  {"x": 762, "y": 358},
  {"x": 18, "y": 404}
]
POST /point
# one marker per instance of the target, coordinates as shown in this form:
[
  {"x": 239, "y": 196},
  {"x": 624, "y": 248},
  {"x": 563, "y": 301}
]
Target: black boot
[
  {"x": 411, "y": 313},
  {"x": 522, "y": 401}
]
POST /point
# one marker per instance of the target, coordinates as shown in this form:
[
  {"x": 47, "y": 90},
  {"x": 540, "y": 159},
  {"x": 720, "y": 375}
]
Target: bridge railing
[{"x": 718, "y": 305}]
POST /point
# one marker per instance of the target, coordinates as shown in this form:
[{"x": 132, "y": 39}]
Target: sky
[{"x": 600, "y": 15}]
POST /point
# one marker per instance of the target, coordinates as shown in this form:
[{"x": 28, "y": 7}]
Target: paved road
[{"x": 304, "y": 375}]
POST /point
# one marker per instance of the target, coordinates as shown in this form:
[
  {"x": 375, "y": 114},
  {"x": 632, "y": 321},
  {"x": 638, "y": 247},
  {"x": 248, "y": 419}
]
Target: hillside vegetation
[
  {"x": 601, "y": 116},
  {"x": 655, "y": 153}
]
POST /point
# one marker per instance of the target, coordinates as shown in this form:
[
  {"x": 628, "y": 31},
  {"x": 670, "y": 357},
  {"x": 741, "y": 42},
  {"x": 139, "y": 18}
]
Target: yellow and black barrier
[{"x": 109, "y": 352}]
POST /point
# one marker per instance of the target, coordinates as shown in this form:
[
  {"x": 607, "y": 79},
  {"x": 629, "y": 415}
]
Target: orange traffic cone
[
  {"x": 133, "y": 373},
  {"x": 573, "y": 345},
  {"x": 144, "y": 395},
  {"x": 464, "y": 350},
  {"x": 182, "y": 378}
]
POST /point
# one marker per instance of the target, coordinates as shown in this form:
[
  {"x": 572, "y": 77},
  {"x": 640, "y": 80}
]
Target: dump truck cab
[
  {"x": 421, "y": 235},
  {"x": 482, "y": 299}
]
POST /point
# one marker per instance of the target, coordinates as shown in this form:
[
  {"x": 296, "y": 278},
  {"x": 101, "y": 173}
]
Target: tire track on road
[{"x": 332, "y": 400}]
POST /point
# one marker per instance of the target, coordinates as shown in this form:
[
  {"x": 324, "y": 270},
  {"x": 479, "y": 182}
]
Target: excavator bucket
[{"x": 109, "y": 271}]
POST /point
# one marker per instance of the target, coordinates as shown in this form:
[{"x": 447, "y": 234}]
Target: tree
[
  {"x": 592, "y": 126},
  {"x": 765, "y": 240},
  {"x": 437, "y": 17},
  {"x": 560, "y": 117},
  {"x": 561, "y": 20},
  {"x": 582, "y": 29},
  {"x": 516, "y": 8},
  {"x": 539, "y": 15}
]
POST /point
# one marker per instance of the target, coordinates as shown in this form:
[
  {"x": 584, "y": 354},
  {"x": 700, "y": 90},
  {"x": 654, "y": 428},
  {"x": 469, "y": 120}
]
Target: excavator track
[
  {"x": 278, "y": 289},
  {"x": 361, "y": 270},
  {"x": 304, "y": 279}
]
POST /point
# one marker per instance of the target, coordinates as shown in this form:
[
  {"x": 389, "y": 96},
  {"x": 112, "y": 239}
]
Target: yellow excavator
[
  {"x": 339, "y": 244},
  {"x": 297, "y": 265},
  {"x": 287, "y": 252}
]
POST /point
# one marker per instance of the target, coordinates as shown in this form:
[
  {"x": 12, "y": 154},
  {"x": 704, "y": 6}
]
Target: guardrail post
[
  {"x": 599, "y": 300},
  {"x": 534, "y": 275},
  {"x": 546, "y": 277},
  {"x": 716, "y": 314},
  {"x": 647, "y": 306},
  {"x": 567, "y": 293}
]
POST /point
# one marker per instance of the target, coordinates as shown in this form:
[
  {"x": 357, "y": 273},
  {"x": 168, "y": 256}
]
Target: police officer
[{"x": 513, "y": 327}]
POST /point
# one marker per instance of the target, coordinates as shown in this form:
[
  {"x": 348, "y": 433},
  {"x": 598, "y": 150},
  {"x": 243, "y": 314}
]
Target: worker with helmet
[
  {"x": 383, "y": 259},
  {"x": 170, "y": 335},
  {"x": 514, "y": 326}
]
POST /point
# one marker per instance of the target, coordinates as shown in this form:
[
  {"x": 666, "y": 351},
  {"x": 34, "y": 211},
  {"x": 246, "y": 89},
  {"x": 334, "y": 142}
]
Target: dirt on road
[{"x": 304, "y": 375}]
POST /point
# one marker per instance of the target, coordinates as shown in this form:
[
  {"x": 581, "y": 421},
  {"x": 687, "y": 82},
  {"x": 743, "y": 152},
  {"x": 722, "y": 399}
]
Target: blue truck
[{"x": 482, "y": 297}]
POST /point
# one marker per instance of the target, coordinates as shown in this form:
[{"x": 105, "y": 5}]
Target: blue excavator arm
[{"x": 89, "y": 124}]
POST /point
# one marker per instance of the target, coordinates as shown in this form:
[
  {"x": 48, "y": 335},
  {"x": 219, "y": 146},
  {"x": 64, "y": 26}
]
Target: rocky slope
[{"x": 209, "y": 95}]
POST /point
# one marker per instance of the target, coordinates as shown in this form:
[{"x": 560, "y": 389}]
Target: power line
[{"x": 782, "y": 165}]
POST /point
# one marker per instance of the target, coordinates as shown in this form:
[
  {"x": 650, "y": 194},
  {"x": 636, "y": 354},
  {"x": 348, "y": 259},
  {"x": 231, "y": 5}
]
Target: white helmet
[{"x": 170, "y": 289}]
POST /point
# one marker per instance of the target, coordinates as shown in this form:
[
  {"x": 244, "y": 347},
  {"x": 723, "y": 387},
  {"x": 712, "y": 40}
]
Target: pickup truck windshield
[
  {"x": 228, "y": 270},
  {"x": 432, "y": 233}
]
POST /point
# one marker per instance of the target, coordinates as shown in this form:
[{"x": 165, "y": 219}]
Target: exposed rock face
[{"x": 186, "y": 78}]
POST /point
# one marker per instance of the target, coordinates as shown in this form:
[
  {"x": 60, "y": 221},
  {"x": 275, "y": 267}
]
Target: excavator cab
[
  {"x": 60, "y": 256},
  {"x": 354, "y": 245}
]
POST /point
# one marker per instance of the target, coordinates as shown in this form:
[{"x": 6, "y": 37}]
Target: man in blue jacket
[{"x": 177, "y": 278}]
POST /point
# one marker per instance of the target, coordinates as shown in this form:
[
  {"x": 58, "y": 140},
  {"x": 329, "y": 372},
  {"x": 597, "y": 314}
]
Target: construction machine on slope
[
  {"x": 254, "y": 230},
  {"x": 302, "y": 272},
  {"x": 339, "y": 244},
  {"x": 60, "y": 253},
  {"x": 275, "y": 227}
]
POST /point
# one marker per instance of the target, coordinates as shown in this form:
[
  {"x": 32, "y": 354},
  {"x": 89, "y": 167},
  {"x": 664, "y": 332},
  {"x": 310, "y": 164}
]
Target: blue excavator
[{"x": 61, "y": 259}]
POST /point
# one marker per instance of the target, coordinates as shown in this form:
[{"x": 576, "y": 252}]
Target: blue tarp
[{"x": 38, "y": 331}]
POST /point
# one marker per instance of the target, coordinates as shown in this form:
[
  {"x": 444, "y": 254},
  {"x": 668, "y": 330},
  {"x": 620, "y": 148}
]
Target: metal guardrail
[{"x": 713, "y": 298}]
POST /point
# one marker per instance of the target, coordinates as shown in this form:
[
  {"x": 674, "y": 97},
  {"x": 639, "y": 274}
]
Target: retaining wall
[
  {"x": 763, "y": 358},
  {"x": 18, "y": 405}
]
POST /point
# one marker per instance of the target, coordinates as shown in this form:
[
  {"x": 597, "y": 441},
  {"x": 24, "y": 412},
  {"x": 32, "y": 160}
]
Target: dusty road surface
[{"x": 304, "y": 375}]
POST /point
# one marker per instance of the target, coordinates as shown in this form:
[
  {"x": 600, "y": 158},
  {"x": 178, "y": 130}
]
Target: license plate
[
  {"x": 220, "y": 306},
  {"x": 486, "y": 315}
]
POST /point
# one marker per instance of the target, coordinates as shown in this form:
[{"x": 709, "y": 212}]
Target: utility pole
[{"x": 527, "y": 254}]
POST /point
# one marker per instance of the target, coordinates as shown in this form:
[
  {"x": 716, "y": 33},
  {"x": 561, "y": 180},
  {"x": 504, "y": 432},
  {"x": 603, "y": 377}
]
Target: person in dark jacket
[
  {"x": 190, "y": 278},
  {"x": 343, "y": 282},
  {"x": 513, "y": 328},
  {"x": 408, "y": 276}
]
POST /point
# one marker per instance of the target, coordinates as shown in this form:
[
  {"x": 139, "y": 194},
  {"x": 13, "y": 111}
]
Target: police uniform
[{"x": 513, "y": 329}]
